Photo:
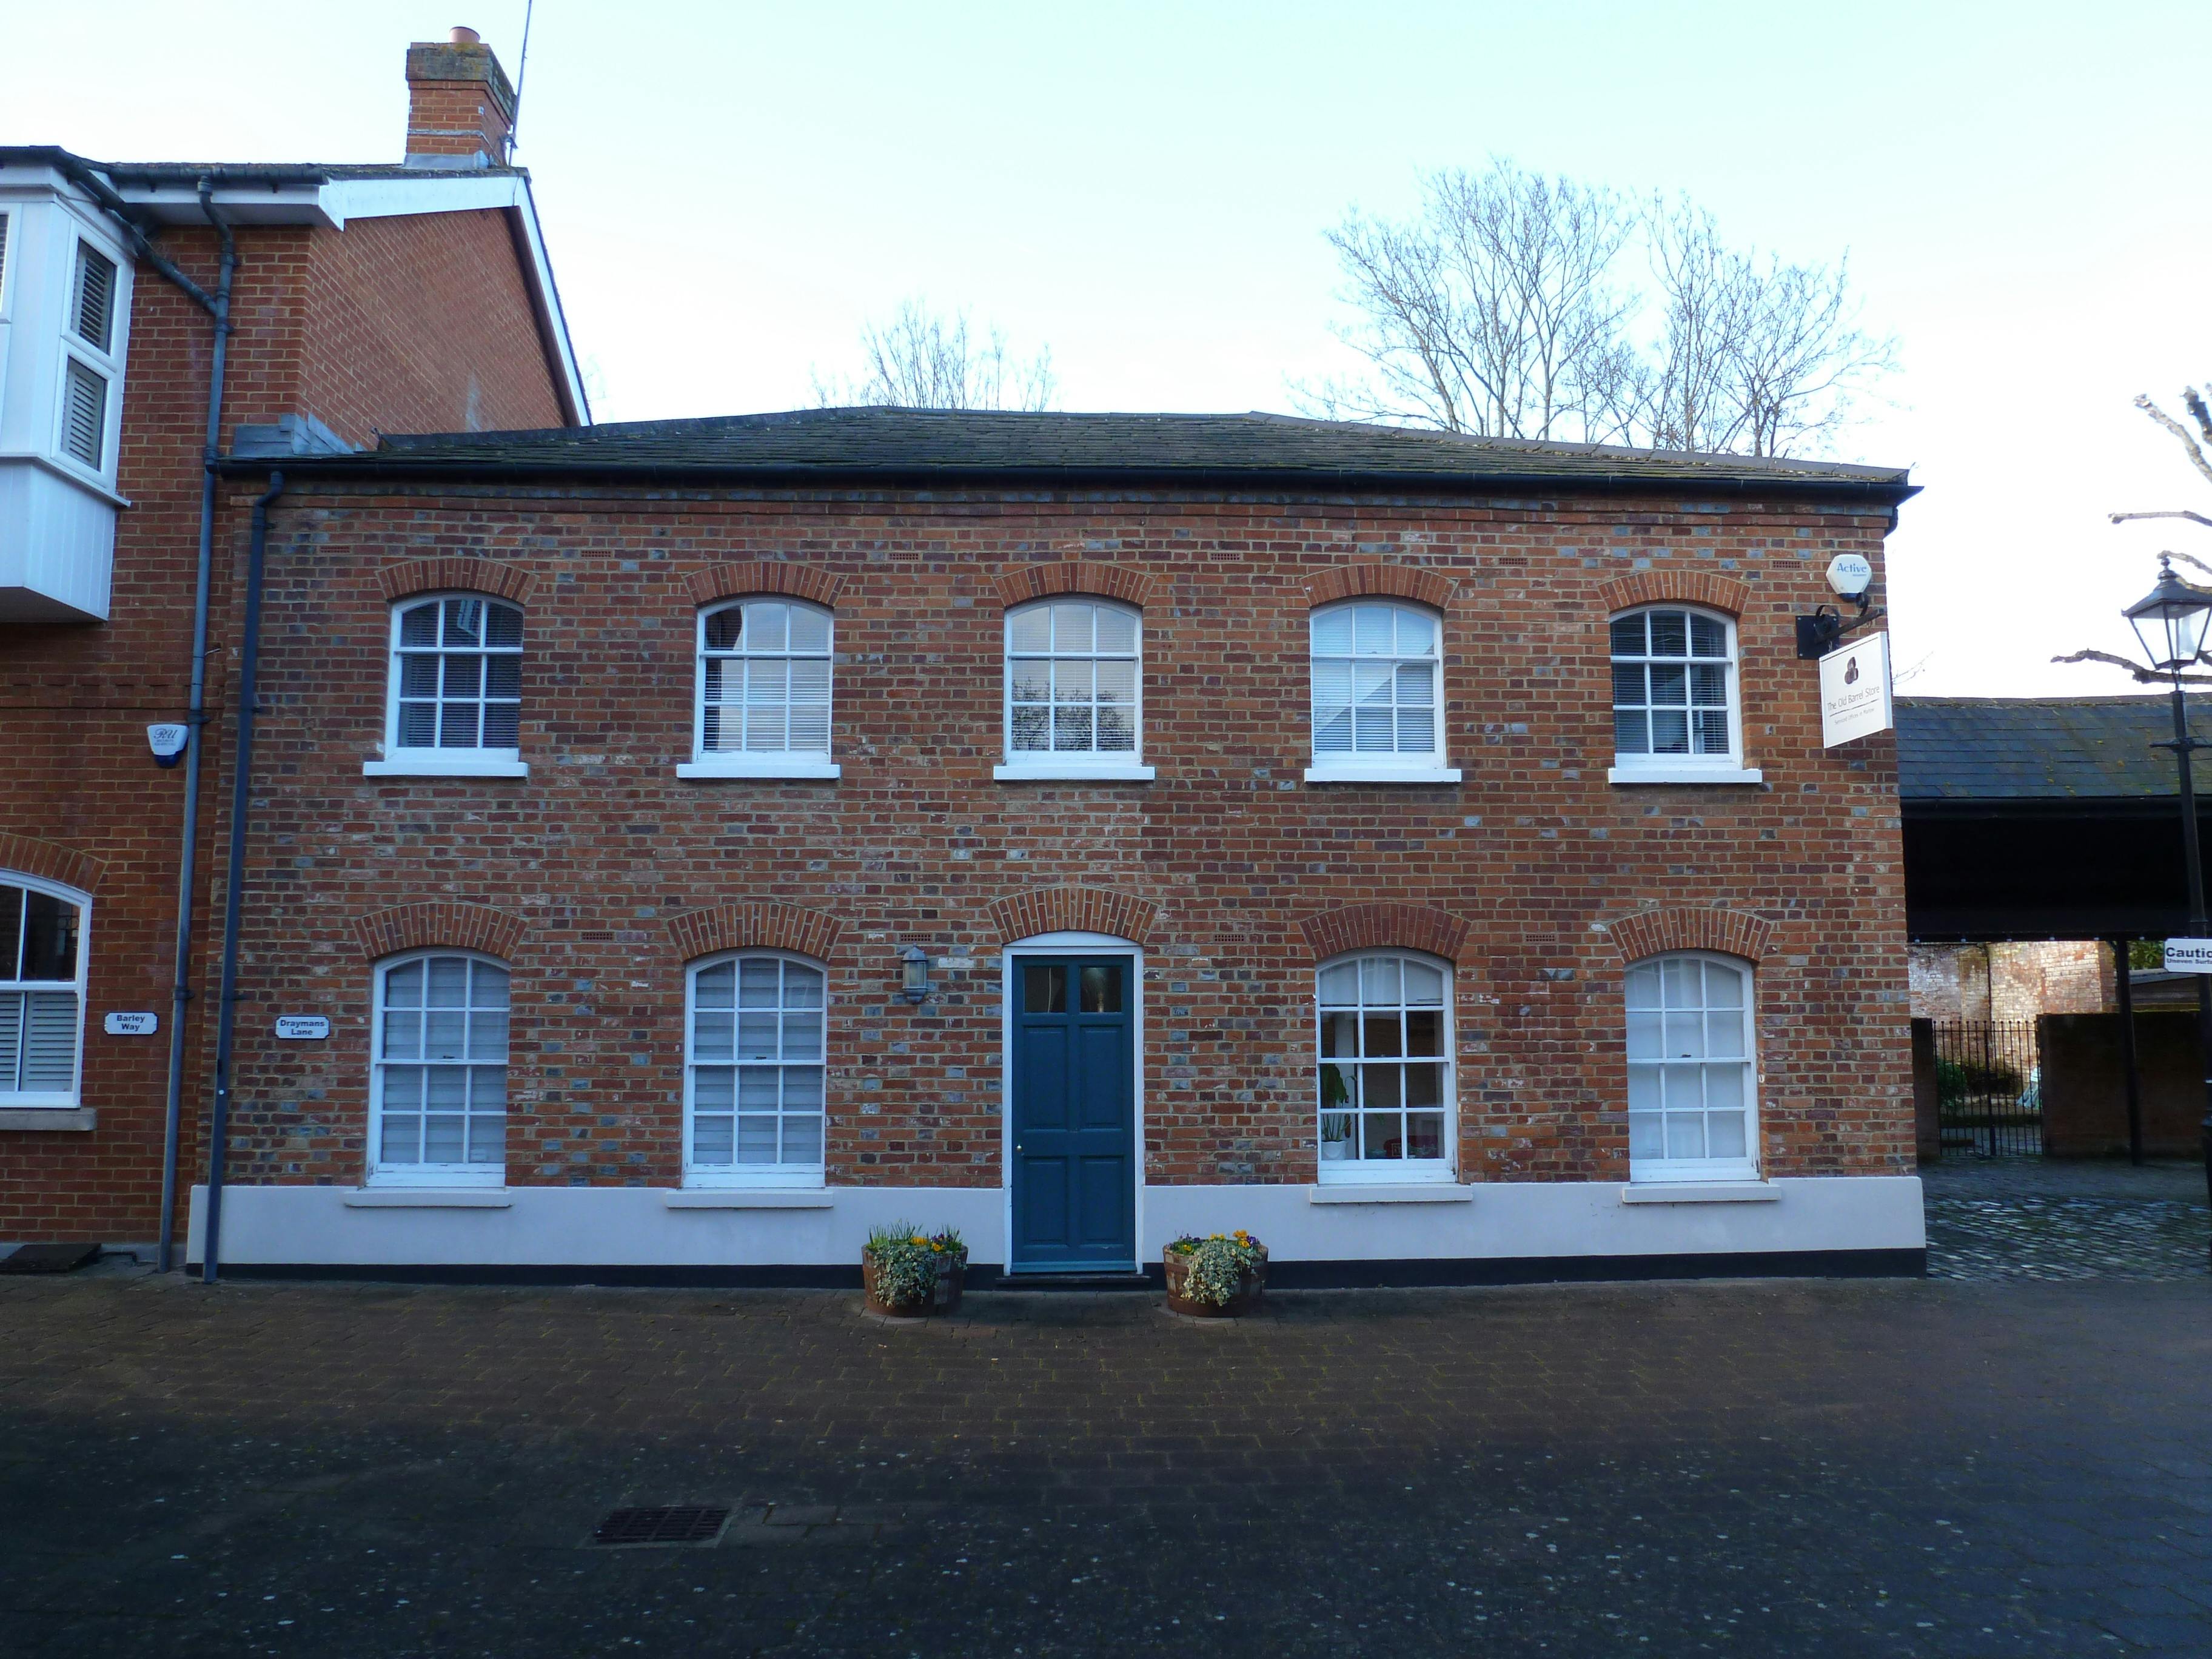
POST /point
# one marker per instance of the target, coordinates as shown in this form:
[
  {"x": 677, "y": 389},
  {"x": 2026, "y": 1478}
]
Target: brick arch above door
[
  {"x": 1073, "y": 910},
  {"x": 1385, "y": 926},
  {"x": 761, "y": 927}
]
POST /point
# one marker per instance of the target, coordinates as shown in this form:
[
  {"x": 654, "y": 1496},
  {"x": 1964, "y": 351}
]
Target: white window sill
[
  {"x": 1115, "y": 772},
  {"x": 435, "y": 765},
  {"x": 430, "y": 1198},
  {"x": 1413, "y": 1192},
  {"x": 759, "y": 767},
  {"x": 1685, "y": 774},
  {"x": 1749, "y": 1191},
  {"x": 45, "y": 1119},
  {"x": 754, "y": 1198},
  {"x": 1374, "y": 772}
]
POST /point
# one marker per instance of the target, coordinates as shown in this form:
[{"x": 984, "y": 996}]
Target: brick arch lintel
[
  {"x": 1075, "y": 910},
  {"x": 1657, "y": 587},
  {"x": 715, "y": 582},
  {"x": 1691, "y": 928},
  {"x": 758, "y": 927},
  {"x": 51, "y": 861},
  {"x": 488, "y": 576},
  {"x": 1403, "y": 582},
  {"x": 435, "y": 922},
  {"x": 1092, "y": 576},
  {"x": 1385, "y": 926}
]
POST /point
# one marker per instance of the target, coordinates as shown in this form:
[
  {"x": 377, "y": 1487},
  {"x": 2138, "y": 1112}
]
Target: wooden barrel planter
[{"x": 1251, "y": 1289}]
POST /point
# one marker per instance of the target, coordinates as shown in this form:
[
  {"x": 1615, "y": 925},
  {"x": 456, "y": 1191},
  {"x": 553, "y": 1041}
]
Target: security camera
[
  {"x": 1850, "y": 574},
  {"x": 167, "y": 743}
]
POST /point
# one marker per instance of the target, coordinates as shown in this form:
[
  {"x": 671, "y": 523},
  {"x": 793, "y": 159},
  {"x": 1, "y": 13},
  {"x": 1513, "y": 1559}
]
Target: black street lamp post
[{"x": 2171, "y": 624}]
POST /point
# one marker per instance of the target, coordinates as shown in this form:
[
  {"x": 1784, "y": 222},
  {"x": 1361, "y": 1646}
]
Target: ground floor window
[
  {"x": 41, "y": 993},
  {"x": 1692, "y": 1099},
  {"x": 1384, "y": 1040},
  {"x": 753, "y": 1084},
  {"x": 438, "y": 1099}
]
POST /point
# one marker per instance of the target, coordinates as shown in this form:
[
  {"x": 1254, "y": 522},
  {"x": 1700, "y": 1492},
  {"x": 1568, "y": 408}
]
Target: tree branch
[
  {"x": 2143, "y": 676},
  {"x": 2180, "y": 432},
  {"x": 2194, "y": 518}
]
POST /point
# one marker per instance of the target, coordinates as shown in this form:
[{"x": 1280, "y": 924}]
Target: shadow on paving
[{"x": 1906, "y": 1468}]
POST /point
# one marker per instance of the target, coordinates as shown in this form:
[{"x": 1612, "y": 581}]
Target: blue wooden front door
[{"x": 1074, "y": 1114}]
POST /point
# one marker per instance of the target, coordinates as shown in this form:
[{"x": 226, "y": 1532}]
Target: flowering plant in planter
[
  {"x": 908, "y": 1273},
  {"x": 1219, "y": 1276}
]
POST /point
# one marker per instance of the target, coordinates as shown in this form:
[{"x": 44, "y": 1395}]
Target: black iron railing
[{"x": 1989, "y": 1088}]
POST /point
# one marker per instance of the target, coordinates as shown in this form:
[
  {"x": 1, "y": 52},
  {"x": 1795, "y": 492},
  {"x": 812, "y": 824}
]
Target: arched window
[
  {"x": 455, "y": 702},
  {"x": 1383, "y": 1031},
  {"x": 754, "y": 1070},
  {"x": 1378, "y": 669},
  {"x": 1692, "y": 1104},
  {"x": 1675, "y": 692},
  {"x": 1074, "y": 696},
  {"x": 438, "y": 1089},
  {"x": 763, "y": 708},
  {"x": 42, "y": 956}
]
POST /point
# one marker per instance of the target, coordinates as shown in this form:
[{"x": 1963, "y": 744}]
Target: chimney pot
[
  {"x": 460, "y": 107},
  {"x": 464, "y": 36}
]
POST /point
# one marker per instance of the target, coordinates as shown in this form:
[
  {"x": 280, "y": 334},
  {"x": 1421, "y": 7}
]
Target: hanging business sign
[
  {"x": 132, "y": 1025},
  {"x": 1855, "y": 691},
  {"x": 303, "y": 1027},
  {"x": 2189, "y": 956}
]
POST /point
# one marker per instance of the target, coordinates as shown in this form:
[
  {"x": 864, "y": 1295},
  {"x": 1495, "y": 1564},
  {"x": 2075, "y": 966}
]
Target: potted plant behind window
[
  {"x": 907, "y": 1273},
  {"x": 1220, "y": 1277},
  {"x": 1336, "y": 1115}
]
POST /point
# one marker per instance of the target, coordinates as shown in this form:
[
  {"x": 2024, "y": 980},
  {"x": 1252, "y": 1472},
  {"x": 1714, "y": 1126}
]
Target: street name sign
[
  {"x": 2189, "y": 956},
  {"x": 303, "y": 1027},
  {"x": 132, "y": 1024},
  {"x": 1855, "y": 691}
]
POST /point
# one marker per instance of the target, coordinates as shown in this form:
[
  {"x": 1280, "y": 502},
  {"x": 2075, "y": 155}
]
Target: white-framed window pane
[
  {"x": 1376, "y": 681},
  {"x": 767, "y": 1014},
  {"x": 457, "y": 674},
  {"x": 1690, "y": 1100},
  {"x": 440, "y": 1053},
  {"x": 1672, "y": 684},
  {"x": 764, "y": 679},
  {"x": 1073, "y": 679},
  {"x": 41, "y": 1004},
  {"x": 1383, "y": 1059}
]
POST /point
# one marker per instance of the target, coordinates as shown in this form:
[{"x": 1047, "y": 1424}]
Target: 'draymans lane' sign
[{"x": 1855, "y": 691}]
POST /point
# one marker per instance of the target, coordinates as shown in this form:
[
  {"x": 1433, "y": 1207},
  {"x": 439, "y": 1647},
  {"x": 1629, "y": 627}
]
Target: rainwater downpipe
[
  {"x": 241, "y": 766},
  {"x": 194, "y": 721}
]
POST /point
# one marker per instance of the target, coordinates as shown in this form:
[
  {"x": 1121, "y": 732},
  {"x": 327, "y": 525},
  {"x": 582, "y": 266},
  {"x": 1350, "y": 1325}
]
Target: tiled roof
[
  {"x": 947, "y": 444},
  {"x": 2026, "y": 749}
]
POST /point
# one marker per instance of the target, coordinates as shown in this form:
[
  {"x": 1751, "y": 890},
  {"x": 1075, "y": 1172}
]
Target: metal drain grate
[{"x": 671, "y": 1523}]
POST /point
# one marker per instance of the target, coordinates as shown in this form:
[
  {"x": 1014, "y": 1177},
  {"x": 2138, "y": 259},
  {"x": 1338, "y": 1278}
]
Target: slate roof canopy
[{"x": 2037, "y": 749}]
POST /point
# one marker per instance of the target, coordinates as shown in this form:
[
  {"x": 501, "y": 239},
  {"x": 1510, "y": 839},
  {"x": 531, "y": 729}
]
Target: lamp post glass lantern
[{"x": 2170, "y": 621}]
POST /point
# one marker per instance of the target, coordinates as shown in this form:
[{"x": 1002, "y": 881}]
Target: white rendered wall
[{"x": 633, "y": 1226}]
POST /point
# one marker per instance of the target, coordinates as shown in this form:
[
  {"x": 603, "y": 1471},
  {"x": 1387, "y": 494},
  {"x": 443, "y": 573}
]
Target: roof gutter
[{"x": 87, "y": 178}]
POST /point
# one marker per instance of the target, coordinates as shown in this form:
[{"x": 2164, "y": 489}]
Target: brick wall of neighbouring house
[
  {"x": 594, "y": 869},
  {"x": 2016, "y": 981},
  {"x": 76, "y": 699}
]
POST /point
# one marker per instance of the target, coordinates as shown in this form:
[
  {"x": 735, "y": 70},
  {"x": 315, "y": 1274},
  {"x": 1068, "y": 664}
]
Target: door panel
[{"x": 1074, "y": 1113}]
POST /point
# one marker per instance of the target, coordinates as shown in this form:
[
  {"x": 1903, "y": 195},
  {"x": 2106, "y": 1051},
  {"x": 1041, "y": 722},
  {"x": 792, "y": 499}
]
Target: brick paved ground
[
  {"x": 1808, "y": 1468},
  {"x": 2052, "y": 1218}
]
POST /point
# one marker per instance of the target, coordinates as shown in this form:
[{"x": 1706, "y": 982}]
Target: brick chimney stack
[{"x": 460, "y": 106}]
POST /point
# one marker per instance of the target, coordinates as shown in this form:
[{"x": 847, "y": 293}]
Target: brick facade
[{"x": 1535, "y": 877}]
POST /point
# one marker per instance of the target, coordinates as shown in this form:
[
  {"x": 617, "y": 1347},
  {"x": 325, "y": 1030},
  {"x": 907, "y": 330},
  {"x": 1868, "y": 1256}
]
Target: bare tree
[
  {"x": 2198, "y": 446},
  {"x": 923, "y": 360},
  {"x": 1497, "y": 310},
  {"x": 1491, "y": 311}
]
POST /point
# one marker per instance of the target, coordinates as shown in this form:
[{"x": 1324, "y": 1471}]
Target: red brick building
[
  {"x": 705, "y": 840},
  {"x": 358, "y": 298}
]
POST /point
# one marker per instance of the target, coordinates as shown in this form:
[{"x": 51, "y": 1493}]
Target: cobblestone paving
[
  {"x": 2049, "y": 1218},
  {"x": 1809, "y": 1468}
]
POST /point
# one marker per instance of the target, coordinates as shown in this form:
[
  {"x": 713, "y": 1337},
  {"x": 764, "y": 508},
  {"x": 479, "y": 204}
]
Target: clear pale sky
[{"x": 729, "y": 191}]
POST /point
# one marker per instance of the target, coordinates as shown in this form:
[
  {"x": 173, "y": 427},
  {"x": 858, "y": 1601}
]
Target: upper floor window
[
  {"x": 763, "y": 691},
  {"x": 1692, "y": 1082},
  {"x": 753, "y": 1071},
  {"x": 1378, "y": 692},
  {"x": 438, "y": 1089},
  {"x": 456, "y": 688},
  {"x": 89, "y": 364},
  {"x": 1384, "y": 1050},
  {"x": 41, "y": 993},
  {"x": 1675, "y": 692},
  {"x": 1074, "y": 695}
]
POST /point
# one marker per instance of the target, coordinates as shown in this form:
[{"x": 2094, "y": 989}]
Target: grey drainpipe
[
  {"x": 241, "y": 794},
  {"x": 194, "y": 721}
]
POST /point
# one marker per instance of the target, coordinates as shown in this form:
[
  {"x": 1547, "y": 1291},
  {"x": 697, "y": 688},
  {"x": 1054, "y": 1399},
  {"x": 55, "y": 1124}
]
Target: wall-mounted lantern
[{"x": 914, "y": 983}]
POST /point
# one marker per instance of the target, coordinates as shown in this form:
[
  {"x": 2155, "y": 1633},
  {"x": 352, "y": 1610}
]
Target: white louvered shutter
[
  {"x": 11, "y": 1040},
  {"x": 94, "y": 321},
  {"x": 84, "y": 418},
  {"x": 50, "y": 1041},
  {"x": 3, "y": 253}
]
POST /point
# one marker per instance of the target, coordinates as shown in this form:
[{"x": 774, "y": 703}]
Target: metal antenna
[{"x": 521, "y": 74}]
